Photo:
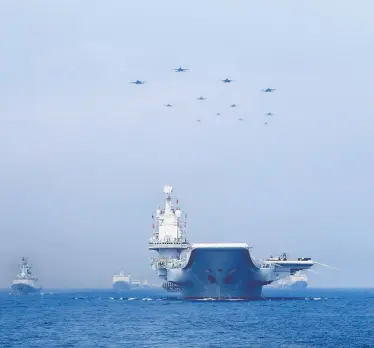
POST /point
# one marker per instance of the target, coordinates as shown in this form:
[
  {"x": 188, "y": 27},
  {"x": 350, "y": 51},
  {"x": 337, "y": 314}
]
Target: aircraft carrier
[
  {"x": 25, "y": 282},
  {"x": 211, "y": 270}
]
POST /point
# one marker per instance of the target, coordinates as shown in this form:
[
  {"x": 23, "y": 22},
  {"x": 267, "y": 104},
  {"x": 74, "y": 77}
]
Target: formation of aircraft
[
  {"x": 180, "y": 69},
  {"x": 226, "y": 80},
  {"x": 138, "y": 82}
]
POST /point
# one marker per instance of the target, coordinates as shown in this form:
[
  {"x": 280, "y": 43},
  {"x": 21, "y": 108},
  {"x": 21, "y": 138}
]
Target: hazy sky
[{"x": 84, "y": 154}]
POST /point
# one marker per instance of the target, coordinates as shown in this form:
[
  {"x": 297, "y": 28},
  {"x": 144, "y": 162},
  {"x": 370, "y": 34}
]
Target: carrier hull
[{"x": 220, "y": 273}]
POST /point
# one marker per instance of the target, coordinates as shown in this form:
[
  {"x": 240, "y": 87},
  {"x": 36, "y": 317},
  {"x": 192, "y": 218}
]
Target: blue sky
[{"x": 85, "y": 154}]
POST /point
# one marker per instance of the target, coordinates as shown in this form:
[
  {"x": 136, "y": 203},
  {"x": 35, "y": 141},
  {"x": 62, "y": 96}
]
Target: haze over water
[{"x": 85, "y": 154}]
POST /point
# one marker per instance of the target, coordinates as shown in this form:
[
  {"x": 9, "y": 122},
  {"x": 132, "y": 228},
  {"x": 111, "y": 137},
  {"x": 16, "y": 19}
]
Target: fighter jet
[
  {"x": 180, "y": 69},
  {"x": 168, "y": 105},
  {"x": 233, "y": 105},
  {"x": 265, "y": 123},
  {"x": 240, "y": 119},
  {"x": 226, "y": 80},
  {"x": 268, "y": 89},
  {"x": 268, "y": 114},
  {"x": 201, "y": 98},
  {"x": 138, "y": 82},
  {"x": 198, "y": 121},
  {"x": 218, "y": 114}
]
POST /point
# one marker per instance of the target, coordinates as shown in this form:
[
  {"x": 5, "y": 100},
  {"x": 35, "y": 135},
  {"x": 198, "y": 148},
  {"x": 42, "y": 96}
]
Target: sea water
[{"x": 153, "y": 318}]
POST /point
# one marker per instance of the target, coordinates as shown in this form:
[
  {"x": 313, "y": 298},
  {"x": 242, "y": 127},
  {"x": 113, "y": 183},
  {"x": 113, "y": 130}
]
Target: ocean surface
[{"x": 153, "y": 318}]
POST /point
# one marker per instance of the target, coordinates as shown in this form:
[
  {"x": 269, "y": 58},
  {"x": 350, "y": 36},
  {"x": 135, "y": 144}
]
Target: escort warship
[
  {"x": 25, "y": 282},
  {"x": 210, "y": 270}
]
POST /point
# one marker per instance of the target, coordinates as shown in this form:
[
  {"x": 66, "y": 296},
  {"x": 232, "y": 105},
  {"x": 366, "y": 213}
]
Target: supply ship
[
  {"x": 121, "y": 281},
  {"x": 297, "y": 281},
  {"x": 210, "y": 270},
  {"x": 25, "y": 282}
]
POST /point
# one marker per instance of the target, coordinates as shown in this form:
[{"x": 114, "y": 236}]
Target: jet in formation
[
  {"x": 226, "y": 80},
  {"x": 233, "y": 105},
  {"x": 268, "y": 89},
  {"x": 201, "y": 98},
  {"x": 138, "y": 82},
  {"x": 168, "y": 105},
  {"x": 180, "y": 69},
  {"x": 269, "y": 114}
]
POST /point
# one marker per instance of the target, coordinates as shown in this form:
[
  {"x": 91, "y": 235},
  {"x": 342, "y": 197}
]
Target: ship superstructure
[
  {"x": 136, "y": 283},
  {"x": 121, "y": 281},
  {"x": 25, "y": 282},
  {"x": 211, "y": 270}
]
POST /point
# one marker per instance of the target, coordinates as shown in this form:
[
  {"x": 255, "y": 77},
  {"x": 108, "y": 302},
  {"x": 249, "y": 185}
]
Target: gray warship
[
  {"x": 210, "y": 270},
  {"x": 25, "y": 282}
]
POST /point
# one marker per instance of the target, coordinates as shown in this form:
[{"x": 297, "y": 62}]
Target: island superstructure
[
  {"x": 25, "y": 282},
  {"x": 211, "y": 270},
  {"x": 121, "y": 281}
]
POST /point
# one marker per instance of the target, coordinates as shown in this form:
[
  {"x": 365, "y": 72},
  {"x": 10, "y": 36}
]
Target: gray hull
[
  {"x": 121, "y": 286},
  {"x": 299, "y": 285},
  {"x": 24, "y": 289},
  {"x": 221, "y": 273}
]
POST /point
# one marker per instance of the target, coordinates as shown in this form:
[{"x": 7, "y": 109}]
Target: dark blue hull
[{"x": 222, "y": 273}]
